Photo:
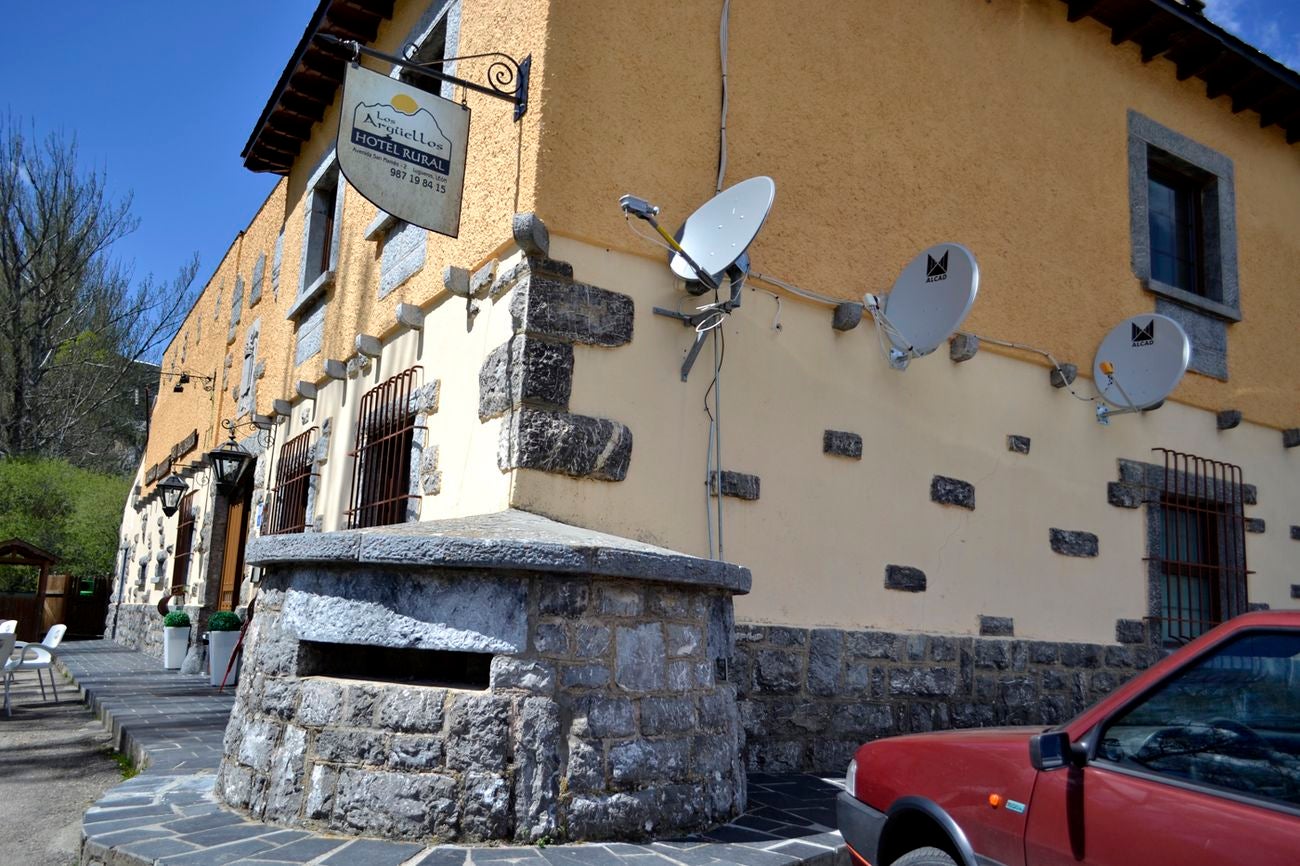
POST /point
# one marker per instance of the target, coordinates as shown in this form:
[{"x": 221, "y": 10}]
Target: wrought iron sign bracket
[{"x": 507, "y": 77}]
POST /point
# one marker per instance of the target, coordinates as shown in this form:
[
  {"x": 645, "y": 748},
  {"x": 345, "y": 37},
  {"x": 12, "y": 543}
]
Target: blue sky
[
  {"x": 1272, "y": 26},
  {"x": 163, "y": 95}
]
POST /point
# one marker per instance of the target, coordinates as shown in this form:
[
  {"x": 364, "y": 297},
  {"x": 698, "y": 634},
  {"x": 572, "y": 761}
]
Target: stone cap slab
[{"x": 512, "y": 539}]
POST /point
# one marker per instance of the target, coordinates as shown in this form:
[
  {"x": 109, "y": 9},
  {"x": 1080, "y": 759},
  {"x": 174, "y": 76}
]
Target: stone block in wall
[
  {"x": 963, "y": 347},
  {"x": 778, "y": 671},
  {"x": 952, "y": 491},
  {"x": 1063, "y": 376},
  {"x": 570, "y": 312},
  {"x": 478, "y": 734},
  {"x": 537, "y": 769},
  {"x": 1291, "y": 437},
  {"x": 904, "y": 578},
  {"x": 847, "y": 316},
  {"x": 1295, "y": 533},
  {"x": 1068, "y": 542},
  {"x": 737, "y": 485},
  {"x": 528, "y": 371},
  {"x": 1018, "y": 444},
  {"x": 396, "y": 805},
  {"x": 1228, "y": 419},
  {"x": 1130, "y": 631},
  {"x": 1124, "y": 495},
  {"x": 565, "y": 444},
  {"x": 667, "y": 716},
  {"x": 842, "y": 443},
  {"x": 1255, "y": 525},
  {"x": 824, "y": 656},
  {"x": 996, "y": 626},
  {"x": 639, "y": 657}
]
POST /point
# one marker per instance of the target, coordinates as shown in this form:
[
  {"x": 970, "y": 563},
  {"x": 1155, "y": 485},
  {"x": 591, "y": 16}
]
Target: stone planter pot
[
  {"x": 221, "y": 646},
  {"x": 176, "y": 640}
]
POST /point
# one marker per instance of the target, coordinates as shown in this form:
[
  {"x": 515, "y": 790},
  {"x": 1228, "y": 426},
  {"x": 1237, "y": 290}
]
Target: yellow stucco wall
[
  {"x": 889, "y": 126},
  {"x": 499, "y": 180},
  {"x": 824, "y": 528}
]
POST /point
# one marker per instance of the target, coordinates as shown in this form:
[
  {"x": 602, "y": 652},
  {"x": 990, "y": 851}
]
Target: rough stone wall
[
  {"x": 809, "y": 697},
  {"x": 138, "y": 627},
  {"x": 608, "y": 723}
]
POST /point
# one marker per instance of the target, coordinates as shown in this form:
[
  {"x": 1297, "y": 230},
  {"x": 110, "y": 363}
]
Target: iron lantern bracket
[{"x": 507, "y": 78}]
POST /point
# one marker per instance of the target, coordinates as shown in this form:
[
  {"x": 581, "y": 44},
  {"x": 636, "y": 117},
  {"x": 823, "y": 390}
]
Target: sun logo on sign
[{"x": 404, "y": 103}]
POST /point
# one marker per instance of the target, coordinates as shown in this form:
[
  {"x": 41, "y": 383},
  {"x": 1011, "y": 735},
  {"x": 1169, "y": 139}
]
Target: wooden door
[{"x": 232, "y": 564}]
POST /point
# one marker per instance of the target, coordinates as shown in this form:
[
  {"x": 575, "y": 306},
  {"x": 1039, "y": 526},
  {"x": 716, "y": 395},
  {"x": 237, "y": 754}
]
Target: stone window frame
[
  {"x": 414, "y": 406},
  {"x": 326, "y": 182},
  {"x": 1205, "y": 319},
  {"x": 246, "y": 395},
  {"x": 1143, "y": 484}
]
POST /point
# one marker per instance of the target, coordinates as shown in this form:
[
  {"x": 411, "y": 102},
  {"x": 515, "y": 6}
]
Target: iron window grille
[
  {"x": 1200, "y": 554},
  {"x": 184, "y": 539},
  {"x": 381, "y": 476},
  {"x": 293, "y": 474}
]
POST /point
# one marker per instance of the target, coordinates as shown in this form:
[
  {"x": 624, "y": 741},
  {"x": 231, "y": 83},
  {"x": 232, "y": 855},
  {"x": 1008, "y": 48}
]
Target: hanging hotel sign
[{"x": 404, "y": 149}]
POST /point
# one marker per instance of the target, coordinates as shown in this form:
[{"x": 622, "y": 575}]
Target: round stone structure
[{"x": 501, "y": 677}]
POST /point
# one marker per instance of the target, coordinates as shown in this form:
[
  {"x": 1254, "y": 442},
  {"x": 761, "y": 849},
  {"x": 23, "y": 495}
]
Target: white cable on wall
[{"x": 722, "y": 138}]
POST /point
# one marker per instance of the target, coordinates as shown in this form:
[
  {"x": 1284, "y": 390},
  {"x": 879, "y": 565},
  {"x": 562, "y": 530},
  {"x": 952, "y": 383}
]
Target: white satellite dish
[
  {"x": 929, "y": 300},
  {"x": 720, "y": 231},
  {"x": 1139, "y": 363}
]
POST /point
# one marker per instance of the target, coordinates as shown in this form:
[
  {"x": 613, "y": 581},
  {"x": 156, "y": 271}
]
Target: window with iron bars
[
  {"x": 381, "y": 475},
  {"x": 1198, "y": 548},
  {"x": 293, "y": 475},
  {"x": 184, "y": 539}
]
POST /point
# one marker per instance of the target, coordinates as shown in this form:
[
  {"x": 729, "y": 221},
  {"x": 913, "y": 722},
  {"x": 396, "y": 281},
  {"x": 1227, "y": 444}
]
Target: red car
[{"x": 1194, "y": 762}]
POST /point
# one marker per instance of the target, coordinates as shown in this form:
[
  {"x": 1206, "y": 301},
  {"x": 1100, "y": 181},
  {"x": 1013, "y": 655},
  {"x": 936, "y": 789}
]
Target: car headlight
[{"x": 849, "y": 784}]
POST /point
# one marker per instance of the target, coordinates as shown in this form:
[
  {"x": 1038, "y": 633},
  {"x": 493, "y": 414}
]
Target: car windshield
[{"x": 1232, "y": 720}]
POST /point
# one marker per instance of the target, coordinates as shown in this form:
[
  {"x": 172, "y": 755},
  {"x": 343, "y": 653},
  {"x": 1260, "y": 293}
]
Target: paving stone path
[{"x": 168, "y": 816}]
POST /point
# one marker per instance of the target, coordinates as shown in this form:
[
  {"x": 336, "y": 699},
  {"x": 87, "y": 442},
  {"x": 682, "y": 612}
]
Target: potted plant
[
  {"x": 176, "y": 638},
  {"x": 223, "y": 637}
]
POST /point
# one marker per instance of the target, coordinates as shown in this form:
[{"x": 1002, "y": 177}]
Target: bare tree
[{"x": 74, "y": 325}]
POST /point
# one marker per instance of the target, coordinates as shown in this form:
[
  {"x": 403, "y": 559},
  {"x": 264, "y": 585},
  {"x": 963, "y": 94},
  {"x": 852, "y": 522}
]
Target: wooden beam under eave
[
  {"x": 1156, "y": 45},
  {"x": 360, "y": 24},
  {"x": 1131, "y": 28},
  {"x": 1288, "y": 120},
  {"x": 1223, "y": 85},
  {"x": 1245, "y": 98},
  {"x": 1198, "y": 63},
  {"x": 303, "y": 104},
  {"x": 1076, "y": 10}
]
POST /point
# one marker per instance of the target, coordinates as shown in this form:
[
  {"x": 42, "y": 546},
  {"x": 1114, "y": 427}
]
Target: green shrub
[
  {"x": 176, "y": 619},
  {"x": 225, "y": 620}
]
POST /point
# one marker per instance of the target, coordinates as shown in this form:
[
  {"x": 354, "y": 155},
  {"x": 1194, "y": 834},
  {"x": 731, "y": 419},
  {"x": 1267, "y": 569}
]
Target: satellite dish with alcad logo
[
  {"x": 929, "y": 300},
  {"x": 1140, "y": 362},
  {"x": 720, "y": 231}
]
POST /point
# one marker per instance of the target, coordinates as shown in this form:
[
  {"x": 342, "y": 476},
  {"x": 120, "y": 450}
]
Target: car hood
[{"x": 958, "y": 770}]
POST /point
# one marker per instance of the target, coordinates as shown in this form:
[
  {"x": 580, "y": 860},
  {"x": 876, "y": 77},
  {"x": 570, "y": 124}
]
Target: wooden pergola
[{"x": 28, "y": 612}]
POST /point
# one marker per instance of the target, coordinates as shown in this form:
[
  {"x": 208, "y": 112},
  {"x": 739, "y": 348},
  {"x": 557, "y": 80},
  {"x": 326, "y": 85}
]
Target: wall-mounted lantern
[
  {"x": 172, "y": 489},
  {"x": 229, "y": 462}
]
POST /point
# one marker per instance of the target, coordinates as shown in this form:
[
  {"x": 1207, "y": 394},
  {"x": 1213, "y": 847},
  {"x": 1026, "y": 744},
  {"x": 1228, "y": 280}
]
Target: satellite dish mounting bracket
[{"x": 705, "y": 314}]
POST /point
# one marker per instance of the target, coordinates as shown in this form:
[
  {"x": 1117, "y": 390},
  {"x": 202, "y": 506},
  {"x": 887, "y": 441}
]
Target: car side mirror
[{"x": 1053, "y": 749}]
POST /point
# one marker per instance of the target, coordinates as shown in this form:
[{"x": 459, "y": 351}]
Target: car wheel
[{"x": 925, "y": 857}]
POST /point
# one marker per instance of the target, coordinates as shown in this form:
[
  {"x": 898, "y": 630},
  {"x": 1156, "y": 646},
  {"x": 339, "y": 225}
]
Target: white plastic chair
[
  {"x": 11, "y": 666},
  {"x": 39, "y": 657}
]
